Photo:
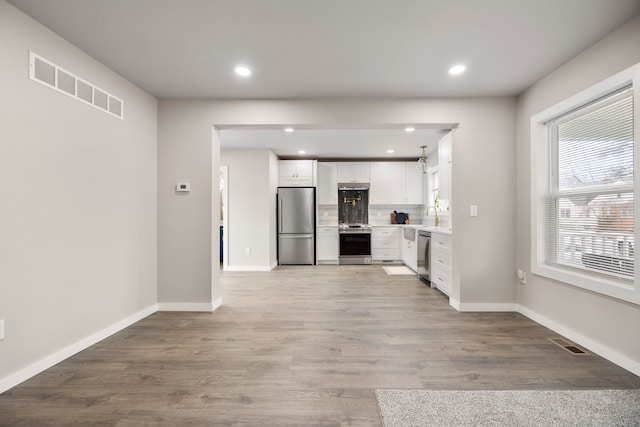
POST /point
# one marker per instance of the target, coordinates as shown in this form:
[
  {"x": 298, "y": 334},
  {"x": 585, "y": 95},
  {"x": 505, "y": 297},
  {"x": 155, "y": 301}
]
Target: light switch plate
[
  {"x": 473, "y": 210},
  {"x": 1, "y": 329}
]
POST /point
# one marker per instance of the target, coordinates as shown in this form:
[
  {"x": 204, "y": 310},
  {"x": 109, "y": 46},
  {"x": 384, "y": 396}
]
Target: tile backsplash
[
  {"x": 327, "y": 214},
  {"x": 380, "y": 214}
]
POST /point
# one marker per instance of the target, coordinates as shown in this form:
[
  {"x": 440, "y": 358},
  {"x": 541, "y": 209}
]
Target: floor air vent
[{"x": 571, "y": 348}]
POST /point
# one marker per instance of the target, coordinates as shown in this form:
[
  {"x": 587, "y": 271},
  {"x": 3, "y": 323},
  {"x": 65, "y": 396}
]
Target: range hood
[{"x": 353, "y": 186}]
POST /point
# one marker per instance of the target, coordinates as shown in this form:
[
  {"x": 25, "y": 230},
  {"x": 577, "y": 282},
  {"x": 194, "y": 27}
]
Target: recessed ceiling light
[
  {"x": 302, "y": 152},
  {"x": 409, "y": 129},
  {"x": 242, "y": 71},
  {"x": 288, "y": 130},
  {"x": 457, "y": 69},
  {"x": 390, "y": 151}
]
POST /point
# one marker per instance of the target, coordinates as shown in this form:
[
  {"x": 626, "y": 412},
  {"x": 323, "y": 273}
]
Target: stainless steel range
[{"x": 354, "y": 229}]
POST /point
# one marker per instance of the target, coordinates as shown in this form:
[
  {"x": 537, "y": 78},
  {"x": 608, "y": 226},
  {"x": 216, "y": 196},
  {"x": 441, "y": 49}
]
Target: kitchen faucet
[{"x": 436, "y": 211}]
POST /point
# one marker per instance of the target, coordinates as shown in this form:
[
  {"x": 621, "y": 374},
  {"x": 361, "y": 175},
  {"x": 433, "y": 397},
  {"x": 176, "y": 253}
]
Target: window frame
[{"x": 541, "y": 164}]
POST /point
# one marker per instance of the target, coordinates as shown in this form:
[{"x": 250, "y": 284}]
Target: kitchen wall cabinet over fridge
[{"x": 297, "y": 173}]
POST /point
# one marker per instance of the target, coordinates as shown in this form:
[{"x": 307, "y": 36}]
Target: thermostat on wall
[{"x": 183, "y": 186}]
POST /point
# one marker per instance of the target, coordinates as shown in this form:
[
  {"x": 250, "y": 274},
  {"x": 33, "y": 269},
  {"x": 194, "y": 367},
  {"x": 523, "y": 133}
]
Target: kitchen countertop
[{"x": 431, "y": 228}]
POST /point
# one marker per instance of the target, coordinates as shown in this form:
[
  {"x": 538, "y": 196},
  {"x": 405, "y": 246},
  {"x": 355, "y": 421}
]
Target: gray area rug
[{"x": 509, "y": 408}]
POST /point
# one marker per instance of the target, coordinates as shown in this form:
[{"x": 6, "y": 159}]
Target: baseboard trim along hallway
[
  {"x": 190, "y": 306},
  {"x": 594, "y": 346},
  {"x": 45, "y": 363}
]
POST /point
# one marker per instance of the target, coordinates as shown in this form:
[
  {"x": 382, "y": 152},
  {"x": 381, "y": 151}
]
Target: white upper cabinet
[
  {"x": 444, "y": 166},
  {"x": 353, "y": 172},
  {"x": 397, "y": 183},
  {"x": 297, "y": 173},
  {"x": 394, "y": 183},
  {"x": 415, "y": 184},
  {"x": 379, "y": 183},
  {"x": 327, "y": 183}
]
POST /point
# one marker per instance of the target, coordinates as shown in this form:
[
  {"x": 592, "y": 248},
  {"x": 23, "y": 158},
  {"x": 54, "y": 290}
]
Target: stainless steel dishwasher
[{"x": 424, "y": 256}]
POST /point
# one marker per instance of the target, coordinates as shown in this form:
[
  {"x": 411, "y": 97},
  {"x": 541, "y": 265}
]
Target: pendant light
[{"x": 422, "y": 161}]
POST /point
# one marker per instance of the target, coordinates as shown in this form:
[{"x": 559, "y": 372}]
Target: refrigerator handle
[{"x": 280, "y": 212}]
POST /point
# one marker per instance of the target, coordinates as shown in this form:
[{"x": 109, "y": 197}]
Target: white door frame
[{"x": 224, "y": 200}]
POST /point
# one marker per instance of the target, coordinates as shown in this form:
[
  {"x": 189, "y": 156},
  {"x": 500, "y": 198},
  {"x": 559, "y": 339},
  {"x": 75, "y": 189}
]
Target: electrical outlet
[
  {"x": 247, "y": 251},
  {"x": 1, "y": 329},
  {"x": 473, "y": 210},
  {"x": 522, "y": 276}
]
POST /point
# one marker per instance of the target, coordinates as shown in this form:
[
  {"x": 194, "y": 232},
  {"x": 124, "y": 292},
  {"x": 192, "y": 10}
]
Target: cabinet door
[
  {"x": 361, "y": 171},
  {"x": 345, "y": 172},
  {"x": 444, "y": 166},
  {"x": 327, "y": 183},
  {"x": 353, "y": 172},
  {"x": 379, "y": 181},
  {"x": 287, "y": 169},
  {"x": 415, "y": 184},
  {"x": 304, "y": 170},
  {"x": 296, "y": 173},
  {"x": 327, "y": 244},
  {"x": 410, "y": 254},
  {"x": 397, "y": 184}
]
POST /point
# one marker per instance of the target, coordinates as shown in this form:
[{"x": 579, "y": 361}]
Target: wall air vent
[{"x": 49, "y": 74}]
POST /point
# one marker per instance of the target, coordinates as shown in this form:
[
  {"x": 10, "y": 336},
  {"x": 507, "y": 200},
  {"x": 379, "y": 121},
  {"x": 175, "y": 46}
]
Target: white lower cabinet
[
  {"x": 441, "y": 262},
  {"x": 385, "y": 243},
  {"x": 410, "y": 252},
  {"x": 327, "y": 244}
]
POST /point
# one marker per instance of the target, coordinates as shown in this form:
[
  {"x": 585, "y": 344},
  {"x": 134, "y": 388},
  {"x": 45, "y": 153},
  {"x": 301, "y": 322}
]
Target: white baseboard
[
  {"x": 249, "y": 267},
  {"x": 27, "y": 372},
  {"x": 190, "y": 306},
  {"x": 481, "y": 306},
  {"x": 594, "y": 346}
]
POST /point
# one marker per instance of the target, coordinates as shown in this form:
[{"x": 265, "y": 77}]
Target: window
[
  {"x": 435, "y": 186},
  {"x": 583, "y": 190}
]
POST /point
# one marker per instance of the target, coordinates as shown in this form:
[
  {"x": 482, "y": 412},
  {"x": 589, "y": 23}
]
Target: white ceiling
[
  {"x": 331, "y": 48},
  {"x": 336, "y": 143}
]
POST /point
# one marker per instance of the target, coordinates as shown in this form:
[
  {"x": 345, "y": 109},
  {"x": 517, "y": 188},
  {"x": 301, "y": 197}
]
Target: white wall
[
  {"x": 251, "y": 208},
  {"x": 607, "y": 326},
  {"x": 185, "y": 252},
  {"x": 78, "y": 195},
  {"x": 483, "y": 174}
]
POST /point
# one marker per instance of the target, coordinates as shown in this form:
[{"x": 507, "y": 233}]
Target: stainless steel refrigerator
[{"x": 296, "y": 225}]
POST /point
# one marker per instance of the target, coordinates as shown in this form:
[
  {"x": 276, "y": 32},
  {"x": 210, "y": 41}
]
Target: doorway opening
[{"x": 224, "y": 216}]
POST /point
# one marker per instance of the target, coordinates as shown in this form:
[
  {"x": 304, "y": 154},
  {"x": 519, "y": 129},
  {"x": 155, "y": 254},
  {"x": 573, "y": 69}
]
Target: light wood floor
[{"x": 299, "y": 346}]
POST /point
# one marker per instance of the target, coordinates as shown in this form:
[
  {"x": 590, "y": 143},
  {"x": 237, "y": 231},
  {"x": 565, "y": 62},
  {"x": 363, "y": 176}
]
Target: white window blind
[{"x": 589, "y": 212}]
